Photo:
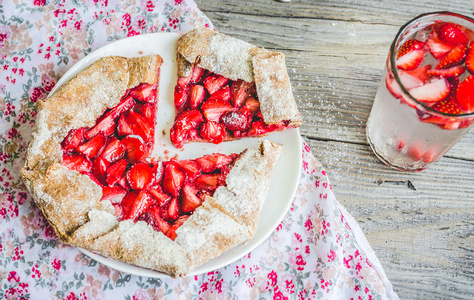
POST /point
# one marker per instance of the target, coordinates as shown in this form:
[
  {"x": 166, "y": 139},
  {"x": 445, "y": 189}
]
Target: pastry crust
[
  {"x": 72, "y": 204},
  {"x": 236, "y": 59}
]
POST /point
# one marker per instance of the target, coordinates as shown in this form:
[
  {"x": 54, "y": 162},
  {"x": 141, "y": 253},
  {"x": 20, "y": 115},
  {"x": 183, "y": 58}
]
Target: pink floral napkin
[{"x": 317, "y": 252}]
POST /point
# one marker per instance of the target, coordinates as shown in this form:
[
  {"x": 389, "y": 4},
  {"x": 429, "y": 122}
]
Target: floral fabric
[{"x": 317, "y": 252}]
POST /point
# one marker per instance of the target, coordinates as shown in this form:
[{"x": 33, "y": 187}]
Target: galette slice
[{"x": 228, "y": 89}]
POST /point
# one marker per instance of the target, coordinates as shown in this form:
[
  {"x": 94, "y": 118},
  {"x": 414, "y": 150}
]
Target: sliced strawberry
[
  {"x": 173, "y": 179},
  {"x": 208, "y": 182},
  {"x": 235, "y": 120},
  {"x": 153, "y": 218},
  {"x": 429, "y": 156},
  {"x": 189, "y": 119},
  {"x": 448, "y": 106},
  {"x": 222, "y": 94},
  {"x": 148, "y": 111},
  {"x": 431, "y": 92},
  {"x": 93, "y": 147},
  {"x": 436, "y": 47},
  {"x": 214, "y": 82},
  {"x": 453, "y": 57},
  {"x": 455, "y": 71},
  {"x": 451, "y": 34},
  {"x": 257, "y": 128},
  {"x": 144, "y": 92},
  {"x": 77, "y": 162},
  {"x": 118, "y": 211},
  {"x": 171, "y": 233},
  {"x": 105, "y": 126},
  {"x": 186, "y": 122},
  {"x": 465, "y": 94},
  {"x": 197, "y": 74},
  {"x": 93, "y": 178},
  {"x": 135, "y": 148},
  {"x": 115, "y": 172},
  {"x": 140, "y": 204},
  {"x": 139, "y": 176},
  {"x": 211, "y": 162},
  {"x": 114, "y": 150},
  {"x": 114, "y": 194},
  {"x": 409, "y": 79},
  {"x": 213, "y": 132},
  {"x": 74, "y": 138},
  {"x": 415, "y": 151},
  {"x": 123, "y": 128},
  {"x": 193, "y": 135},
  {"x": 173, "y": 212},
  {"x": 180, "y": 96},
  {"x": 128, "y": 201},
  {"x": 420, "y": 73},
  {"x": 189, "y": 200},
  {"x": 191, "y": 168},
  {"x": 214, "y": 109},
  {"x": 99, "y": 169},
  {"x": 252, "y": 105},
  {"x": 178, "y": 136},
  {"x": 157, "y": 192},
  {"x": 140, "y": 126},
  {"x": 410, "y": 55},
  {"x": 470, "y": 58},
  {"x": 240, "y": 91},
  {"x": 183, "y": 82},
  {"x": 197, "y": 94},
  {"x": 124, "y": 183},
  {"x": 392, "y": 86},
  {"x": 125, "y": 104}
]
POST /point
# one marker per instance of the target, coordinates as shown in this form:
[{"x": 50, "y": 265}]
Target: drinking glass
[{"x": 403, "y": 132}]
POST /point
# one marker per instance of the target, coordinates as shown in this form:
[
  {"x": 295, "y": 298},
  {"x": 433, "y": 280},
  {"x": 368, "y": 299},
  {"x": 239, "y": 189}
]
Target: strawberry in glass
[{"x": 425, "y": 102}]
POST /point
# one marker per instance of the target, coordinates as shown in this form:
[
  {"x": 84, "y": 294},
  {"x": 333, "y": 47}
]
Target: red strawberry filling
[
  {"x": 433, "y": 71},
  {"x": 114, "y": 153},
  {"x": 212, "y": 108}
]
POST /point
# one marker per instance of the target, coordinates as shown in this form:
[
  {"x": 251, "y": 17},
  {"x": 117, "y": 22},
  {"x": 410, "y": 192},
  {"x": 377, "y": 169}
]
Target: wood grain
[{"x": 420, "y": 225}]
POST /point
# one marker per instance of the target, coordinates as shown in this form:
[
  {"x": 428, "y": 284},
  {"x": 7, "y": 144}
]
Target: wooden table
[{"x": 421, "y": 225}]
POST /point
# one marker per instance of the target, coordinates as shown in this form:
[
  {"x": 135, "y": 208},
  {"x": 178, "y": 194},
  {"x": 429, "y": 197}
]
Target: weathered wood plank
[{"x": 420, "y": 225}]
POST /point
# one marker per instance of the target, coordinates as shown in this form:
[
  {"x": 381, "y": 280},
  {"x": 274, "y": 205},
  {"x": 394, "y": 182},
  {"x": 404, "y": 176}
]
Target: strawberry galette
[
  {"x": 229, "y": 89},
  {"x": 89, "y": 170}
]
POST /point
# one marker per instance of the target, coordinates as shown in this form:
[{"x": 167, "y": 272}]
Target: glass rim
[{"x": 394, "y": 69}]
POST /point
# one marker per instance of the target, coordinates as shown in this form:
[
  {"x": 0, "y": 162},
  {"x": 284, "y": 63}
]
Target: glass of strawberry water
[{"x": 425, "y": 101}]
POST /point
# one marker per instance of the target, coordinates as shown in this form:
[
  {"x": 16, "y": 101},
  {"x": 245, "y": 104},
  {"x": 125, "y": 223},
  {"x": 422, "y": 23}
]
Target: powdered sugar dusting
[
  {"x": 208, "y": 233},
  {"x": 145, "y": 247},
  {"x": 100, "y": 222},
  {"x": 274, "y": 89},
  {"x": 247, "y": 184},
  {"x": 230, "y": 57}
]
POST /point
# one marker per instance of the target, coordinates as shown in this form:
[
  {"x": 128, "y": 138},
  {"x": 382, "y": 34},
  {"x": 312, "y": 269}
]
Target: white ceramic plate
[{"x": 284, "y": 181}]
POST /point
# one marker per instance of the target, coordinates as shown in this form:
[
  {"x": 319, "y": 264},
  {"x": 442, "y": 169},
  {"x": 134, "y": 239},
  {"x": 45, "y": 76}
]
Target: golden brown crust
[
  {"x": 248, "y": 180},
  {"x": 274, "y": 88},
  {"x": 236, "y": 59},
  {"x": 139, "y": 70},
  {"x": 71, "y": 201}
]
